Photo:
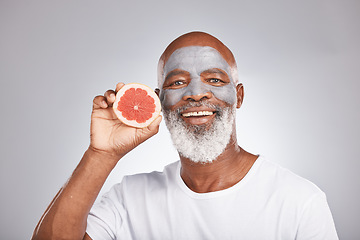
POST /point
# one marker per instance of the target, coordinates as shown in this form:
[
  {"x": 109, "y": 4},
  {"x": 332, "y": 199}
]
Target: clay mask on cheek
[{"x": 195, "y": 60}]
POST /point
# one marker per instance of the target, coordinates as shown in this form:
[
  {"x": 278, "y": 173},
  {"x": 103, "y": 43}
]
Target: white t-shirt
[{"x": 270, "y": 202}]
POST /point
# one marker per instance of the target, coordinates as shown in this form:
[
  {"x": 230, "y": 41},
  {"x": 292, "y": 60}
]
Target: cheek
[
  {"x": 171, "y": 97},
  {"x": 226, "y": 93}
]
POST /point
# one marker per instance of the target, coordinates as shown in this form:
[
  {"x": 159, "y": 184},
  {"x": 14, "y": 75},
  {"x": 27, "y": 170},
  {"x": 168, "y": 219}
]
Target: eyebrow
[
  {"x": 215, "y": 70},
  {"x": 174, "y": 73}
]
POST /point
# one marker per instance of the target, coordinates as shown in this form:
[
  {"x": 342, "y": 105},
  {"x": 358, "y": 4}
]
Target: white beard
[{"x": 197, "y": 143}]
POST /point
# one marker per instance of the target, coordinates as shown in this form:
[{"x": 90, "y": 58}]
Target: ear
[
  {"x": 239, "y": 95},
  {"x": 157, "y": 91}
]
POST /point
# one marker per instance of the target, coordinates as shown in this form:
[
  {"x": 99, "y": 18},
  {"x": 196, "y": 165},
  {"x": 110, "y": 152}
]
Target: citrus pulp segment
[{"x": 136, "y": 105}]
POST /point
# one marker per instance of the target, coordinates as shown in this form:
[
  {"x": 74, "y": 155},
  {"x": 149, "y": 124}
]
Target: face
[
  {"x": 195, "y": 71},
  {"x": 199, "y": 99}
]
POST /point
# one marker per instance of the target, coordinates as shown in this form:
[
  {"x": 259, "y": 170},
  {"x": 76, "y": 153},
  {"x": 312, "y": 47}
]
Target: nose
[
  {"x": 197, "y": 97},
  {"x": 197, "y": 90}
]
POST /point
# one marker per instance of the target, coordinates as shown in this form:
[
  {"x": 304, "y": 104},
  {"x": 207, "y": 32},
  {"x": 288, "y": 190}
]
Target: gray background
[{"x": 298, "y": 60}]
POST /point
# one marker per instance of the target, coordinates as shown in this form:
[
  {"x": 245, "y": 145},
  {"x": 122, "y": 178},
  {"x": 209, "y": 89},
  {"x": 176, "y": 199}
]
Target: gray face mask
[{"x": 195, "y": 60}]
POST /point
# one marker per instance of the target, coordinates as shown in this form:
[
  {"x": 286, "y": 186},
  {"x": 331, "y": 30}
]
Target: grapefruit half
[{"x": 136, "y": 105}]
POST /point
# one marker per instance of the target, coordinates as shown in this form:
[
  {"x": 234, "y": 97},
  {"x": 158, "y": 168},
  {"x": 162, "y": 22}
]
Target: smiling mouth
[{"x": 198, "y": 114}]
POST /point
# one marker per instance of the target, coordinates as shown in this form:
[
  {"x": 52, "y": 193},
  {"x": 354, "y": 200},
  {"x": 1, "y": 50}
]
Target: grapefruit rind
[{"x": 128, "y": 117}]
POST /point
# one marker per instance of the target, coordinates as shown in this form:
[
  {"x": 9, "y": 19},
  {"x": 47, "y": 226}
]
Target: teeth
[{"x": 196, "y": 114}]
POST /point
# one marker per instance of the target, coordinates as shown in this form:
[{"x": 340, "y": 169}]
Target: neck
[{"x": 225, "y": 171}]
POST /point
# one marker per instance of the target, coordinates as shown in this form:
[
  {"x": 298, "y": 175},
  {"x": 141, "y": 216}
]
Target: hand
[{"x": 108, "y": 135}]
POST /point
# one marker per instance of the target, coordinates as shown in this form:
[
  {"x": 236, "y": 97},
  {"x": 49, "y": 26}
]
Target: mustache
[{"x": 198, "y": 104}]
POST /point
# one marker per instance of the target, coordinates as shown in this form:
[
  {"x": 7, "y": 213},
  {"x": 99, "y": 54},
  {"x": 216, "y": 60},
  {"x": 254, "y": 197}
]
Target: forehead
[{"x": 195, "y": 59}]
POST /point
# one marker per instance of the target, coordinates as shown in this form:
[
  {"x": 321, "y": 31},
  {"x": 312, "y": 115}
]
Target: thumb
[
  {"x": 151, "y": 130},
  {"x": 154, "y": 126}
]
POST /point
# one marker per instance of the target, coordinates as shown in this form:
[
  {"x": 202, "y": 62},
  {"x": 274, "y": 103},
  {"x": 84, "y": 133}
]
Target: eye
[
  {"x": 177, "y": 83},
  {"x": 214, "y": 80}
]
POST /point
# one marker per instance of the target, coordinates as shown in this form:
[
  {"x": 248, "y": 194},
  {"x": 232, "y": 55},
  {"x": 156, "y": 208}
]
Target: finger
[
  {"x": 152, "y": 129},
  {"x": 154, "y": 126},
  {"x": 119, "y": 86},
  {"x": 99, "y": 102},
  {"x": 110, "y": 97}
]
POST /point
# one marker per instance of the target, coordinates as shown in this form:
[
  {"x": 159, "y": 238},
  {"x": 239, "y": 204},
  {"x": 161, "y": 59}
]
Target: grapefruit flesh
[{"x": 136, "y": 105}]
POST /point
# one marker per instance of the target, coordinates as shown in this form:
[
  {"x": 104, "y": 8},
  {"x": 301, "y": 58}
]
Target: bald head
[{"x": 199, "y": 39}]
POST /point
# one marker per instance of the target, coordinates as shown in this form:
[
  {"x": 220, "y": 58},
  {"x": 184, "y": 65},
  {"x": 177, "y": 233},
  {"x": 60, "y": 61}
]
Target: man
[{"x": 216, "y": 191}]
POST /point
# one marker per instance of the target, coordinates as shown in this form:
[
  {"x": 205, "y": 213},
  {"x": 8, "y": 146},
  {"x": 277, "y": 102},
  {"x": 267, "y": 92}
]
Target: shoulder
[
  {"x": 284, "y": 180},
  {"x": 303, "y": 201},
  {"x": 151, "y": 180}
]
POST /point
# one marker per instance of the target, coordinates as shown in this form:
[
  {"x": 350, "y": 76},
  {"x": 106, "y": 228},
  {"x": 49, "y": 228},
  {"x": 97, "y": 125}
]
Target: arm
[{"x": 110, "y": 140}]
